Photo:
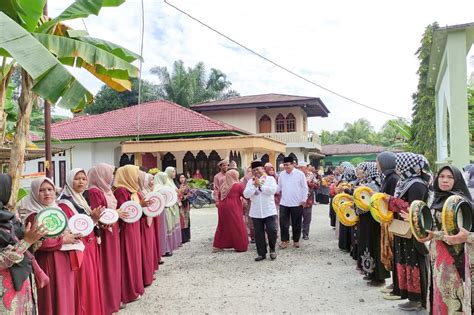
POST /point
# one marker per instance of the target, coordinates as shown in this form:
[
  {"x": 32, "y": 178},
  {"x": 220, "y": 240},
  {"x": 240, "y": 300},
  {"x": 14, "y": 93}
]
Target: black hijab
[
  {"x": 459, "y": 188},
  {"x": 11, "y": 231}
]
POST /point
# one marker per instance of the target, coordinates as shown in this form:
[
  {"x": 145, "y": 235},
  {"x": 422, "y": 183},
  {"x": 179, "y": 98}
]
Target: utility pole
[{"x": 47, "y": 126}]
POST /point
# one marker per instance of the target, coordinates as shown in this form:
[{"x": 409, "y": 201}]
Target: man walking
[
  {"x": 260, "y": 189},
  {"x": 294, "y": 192}
]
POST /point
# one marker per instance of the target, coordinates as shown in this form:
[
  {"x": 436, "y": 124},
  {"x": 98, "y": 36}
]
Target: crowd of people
[
  {"x": 102, "y": 272},
  {"x": 98, "y": 273},
  {"x": 433, "y": 272}
]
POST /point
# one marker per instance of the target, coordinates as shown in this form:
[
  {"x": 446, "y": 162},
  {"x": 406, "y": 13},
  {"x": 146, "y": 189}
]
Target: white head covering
[
  {"x": 31, "y": 203},
  {"x": 68, "y": 190}
]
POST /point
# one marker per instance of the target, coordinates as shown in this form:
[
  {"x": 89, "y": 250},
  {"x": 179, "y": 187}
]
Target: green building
[{"x": 337, "y": 153}]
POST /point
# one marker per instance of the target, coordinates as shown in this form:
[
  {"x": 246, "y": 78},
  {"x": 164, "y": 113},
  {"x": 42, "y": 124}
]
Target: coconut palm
[{"x": 192, "y": 85}]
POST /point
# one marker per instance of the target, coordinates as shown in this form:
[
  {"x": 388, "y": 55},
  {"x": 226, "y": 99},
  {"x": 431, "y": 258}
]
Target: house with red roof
[{"x": 161, "y": 133}]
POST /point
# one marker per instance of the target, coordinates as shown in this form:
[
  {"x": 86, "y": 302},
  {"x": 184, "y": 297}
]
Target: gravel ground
[{"x": 317, "y": 278}]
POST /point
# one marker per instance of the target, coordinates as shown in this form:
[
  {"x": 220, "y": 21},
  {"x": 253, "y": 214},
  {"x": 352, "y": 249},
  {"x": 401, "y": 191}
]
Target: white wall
[
  {"x": 245, "y": 119},
  {"x": 82, "y": 155}
]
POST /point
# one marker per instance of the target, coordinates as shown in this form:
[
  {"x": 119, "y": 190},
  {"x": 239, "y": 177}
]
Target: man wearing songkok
[
  {"x": 294, "y": 192},
  {"x": 260, "y": 189}
]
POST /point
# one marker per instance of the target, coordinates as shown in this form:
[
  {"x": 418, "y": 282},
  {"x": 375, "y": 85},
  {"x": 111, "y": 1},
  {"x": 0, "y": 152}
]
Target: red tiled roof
[
  {"x": 314, "y": 106},
  {"x": 155, "y": 118},
  {"x": 352, "y": 148}
]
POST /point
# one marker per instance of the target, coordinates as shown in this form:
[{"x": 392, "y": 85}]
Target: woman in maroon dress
[
  {"x": 126, "y": 189},
  {"x": 100, "y": 194},
  {"x": 88, "y": 284},
  {"x": 147, "y": 231},
  {"x": 58, "y": 296},
  {"x": 231, "y": 231}
]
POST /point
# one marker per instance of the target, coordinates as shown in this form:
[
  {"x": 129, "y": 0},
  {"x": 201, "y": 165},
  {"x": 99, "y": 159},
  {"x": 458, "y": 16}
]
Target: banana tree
[{"x": 42, "y": 47}]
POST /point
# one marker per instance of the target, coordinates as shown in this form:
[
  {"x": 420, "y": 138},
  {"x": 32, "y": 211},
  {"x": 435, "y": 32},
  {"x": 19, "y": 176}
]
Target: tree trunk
[{"x": 17, "y": 156}]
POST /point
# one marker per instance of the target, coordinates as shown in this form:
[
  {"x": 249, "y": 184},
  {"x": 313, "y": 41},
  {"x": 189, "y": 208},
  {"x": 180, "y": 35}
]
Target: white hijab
[
  {"x": 31, "y": 204},
  {"x": 70, "y": 192}
]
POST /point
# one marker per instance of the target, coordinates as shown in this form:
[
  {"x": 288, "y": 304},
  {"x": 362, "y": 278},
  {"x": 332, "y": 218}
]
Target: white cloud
[{"x": 362, "y": 49}]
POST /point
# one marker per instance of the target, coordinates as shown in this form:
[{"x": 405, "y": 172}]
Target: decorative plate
[
  {"x": 134, "y": 211},
  {"x": 157, "y": 204},
  {"x": 81, "y": 223},
  {"x": 53, "y": 219},
  {"x": 170, "y": 195},
  {"x": 109, "y": 216},
  {"x": 456, "y": 213}
]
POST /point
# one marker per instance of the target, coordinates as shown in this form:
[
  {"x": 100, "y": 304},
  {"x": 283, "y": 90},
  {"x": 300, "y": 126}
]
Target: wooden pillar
[{"x": 138, "y": 159}]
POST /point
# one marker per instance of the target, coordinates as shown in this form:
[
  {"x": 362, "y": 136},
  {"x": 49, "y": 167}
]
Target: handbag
[{"x": 400, "y": 228}]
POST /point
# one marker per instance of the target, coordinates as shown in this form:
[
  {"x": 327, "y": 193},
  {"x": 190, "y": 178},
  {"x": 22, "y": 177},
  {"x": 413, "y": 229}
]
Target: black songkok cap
[
  {"x": 288, "y": 159},
  {"x": 256, "y": 164}
]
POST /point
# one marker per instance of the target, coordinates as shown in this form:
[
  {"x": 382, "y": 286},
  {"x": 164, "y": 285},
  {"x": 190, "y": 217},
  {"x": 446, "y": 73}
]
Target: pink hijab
[
  {"x": 101, "y": 177},
  {"x": 231, "y": 178}
]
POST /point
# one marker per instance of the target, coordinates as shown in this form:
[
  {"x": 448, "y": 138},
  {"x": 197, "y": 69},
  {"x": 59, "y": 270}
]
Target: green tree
[
  {"x": 192, "y": 85},
  {"x": 360, "y": 131},
  {"x": 108, "y": 99},
  {"x": 40, "y": 47},
  {"x": 423, "y": 125}
]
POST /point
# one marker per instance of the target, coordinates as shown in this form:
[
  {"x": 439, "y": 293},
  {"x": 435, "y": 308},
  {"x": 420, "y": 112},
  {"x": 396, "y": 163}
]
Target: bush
[{"x": 198, "y": 183}]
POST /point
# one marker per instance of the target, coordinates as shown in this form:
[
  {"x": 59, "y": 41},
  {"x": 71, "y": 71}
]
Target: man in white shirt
[
  {"x": 294, "y": 192},
  {"x": 260, "y": 189}
]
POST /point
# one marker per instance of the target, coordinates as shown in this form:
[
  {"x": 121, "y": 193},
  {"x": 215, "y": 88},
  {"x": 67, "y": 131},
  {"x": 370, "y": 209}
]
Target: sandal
[
  {"x": 217, "y": 250},
  {"x": 283, "y": 245}
]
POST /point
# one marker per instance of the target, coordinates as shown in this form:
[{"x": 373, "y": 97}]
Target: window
[
  {"x": 189, "y": 164},
  {"x": 40, "y": 167},
  {"x": 280, "y": 123},
  {"x": 265, "y": 159},
  {"x": 201, "y": 164},
  {"x": 294, "y": 157},
  {"x": 62, "y": 173},
  {"x": 168, "y": 160},
  {"x": 279, "y": 160},
  {"x": 265, "y": 124},
  {"x": 290, "y": 123},
  {"x": 214, "y": 158}
]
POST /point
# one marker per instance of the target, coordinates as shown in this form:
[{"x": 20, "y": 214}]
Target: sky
[{"x": 364, "y": 50}]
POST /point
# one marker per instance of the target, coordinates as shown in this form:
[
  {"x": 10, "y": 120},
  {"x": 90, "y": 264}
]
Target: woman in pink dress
[
  {"x": 231, "y": 231},
  {"x": 58, "y": 296},
  {"x": 126, "y": 189},
  {"x": 88, "y": 279},
  {"x": 100, "y": 194}
]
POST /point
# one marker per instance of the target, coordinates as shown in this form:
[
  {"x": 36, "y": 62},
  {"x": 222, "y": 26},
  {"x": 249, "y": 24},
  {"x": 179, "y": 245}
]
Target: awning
[
  {"x": 248, "y": 142},
  {"x": 30, "y": 154}
]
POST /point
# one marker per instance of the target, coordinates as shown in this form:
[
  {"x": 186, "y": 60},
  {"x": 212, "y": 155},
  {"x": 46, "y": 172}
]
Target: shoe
[
  {"x": 305, "y": 237},
  {"x": 260, "y": 258},
  {"x": 273, "y": 255},
  {"x": 391, "y": 297},
  {"x": 367, "y": 278},
  {"x": 410, "y": 306},
  {"x": 283, "y": 244},
  {"x": 217, "y": 250},
  {"x": 161, "y": 262},
  {"x": 376, "y": 283},
  {"x": 296, "y": 244},
  {"x": 387, "y": 289},
  {"x": 252, "y": 241},
  {"x": 122, "y": 305},
  {"x": 169, "y": 254}
]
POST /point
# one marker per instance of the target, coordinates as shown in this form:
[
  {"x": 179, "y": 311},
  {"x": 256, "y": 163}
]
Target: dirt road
[{"x": 317, "y": 278}]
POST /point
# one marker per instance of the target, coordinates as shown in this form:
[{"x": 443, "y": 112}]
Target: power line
[{"x": 280, "y": 66}]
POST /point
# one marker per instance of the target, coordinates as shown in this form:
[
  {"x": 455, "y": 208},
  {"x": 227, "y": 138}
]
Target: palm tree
[
  {"x": 191, "y": 86},
  {"x": 361, "y": 131}
]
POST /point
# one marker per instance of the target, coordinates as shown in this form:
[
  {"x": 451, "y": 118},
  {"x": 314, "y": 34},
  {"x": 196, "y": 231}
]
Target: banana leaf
[
  {"x": 51, "y": 79},
  {"x": 25, "y": 12},
  {"x": 107, "y": 67}
]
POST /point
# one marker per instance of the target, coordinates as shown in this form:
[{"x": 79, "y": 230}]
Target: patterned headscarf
[
  {"x": 348, "y": 172},
  {"x": 370, "y": 171},
  {"x": 412, "y": 168}
]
